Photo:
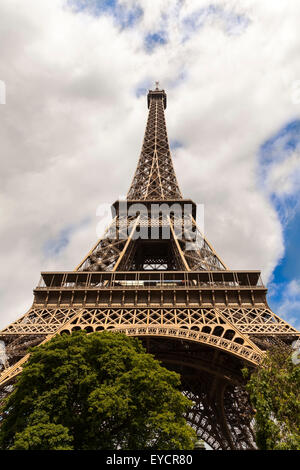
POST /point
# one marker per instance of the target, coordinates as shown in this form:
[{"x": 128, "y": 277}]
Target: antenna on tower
[{"x": 156, "y": 85}]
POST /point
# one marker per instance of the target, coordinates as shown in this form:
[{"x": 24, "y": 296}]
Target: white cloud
[
  {"x": 283, "y": 177},
  {"x": 72, "y": 128},
  {"x": 293, "y": 287}
]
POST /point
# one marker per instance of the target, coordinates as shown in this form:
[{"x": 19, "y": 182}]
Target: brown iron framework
[{"x": 197, "y": 316}]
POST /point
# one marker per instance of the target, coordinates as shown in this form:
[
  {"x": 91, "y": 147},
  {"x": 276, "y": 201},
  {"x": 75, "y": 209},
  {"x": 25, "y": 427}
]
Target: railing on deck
[{"x": 153, "y": 279}]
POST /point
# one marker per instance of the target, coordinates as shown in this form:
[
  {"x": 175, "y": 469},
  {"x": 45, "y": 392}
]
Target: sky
[{"x": 76, "y": 75}]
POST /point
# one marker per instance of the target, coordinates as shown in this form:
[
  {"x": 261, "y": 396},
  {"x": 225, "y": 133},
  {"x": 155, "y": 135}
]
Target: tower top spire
[
  {"x": 157, "y": 94},
  {"x": 155, "y": 177}
]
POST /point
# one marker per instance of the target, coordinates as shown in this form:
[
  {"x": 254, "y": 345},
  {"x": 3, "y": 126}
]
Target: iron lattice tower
[{"x": 197, "y": 316}]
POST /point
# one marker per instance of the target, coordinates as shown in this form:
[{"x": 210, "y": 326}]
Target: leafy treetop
[
  {"x": 96, "y": 391},
  {"x": 274, "y": 390}
]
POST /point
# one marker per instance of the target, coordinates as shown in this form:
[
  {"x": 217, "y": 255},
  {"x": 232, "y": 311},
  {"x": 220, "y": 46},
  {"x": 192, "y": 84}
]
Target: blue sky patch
[
  {"x": 153, "y": 40},
  {"x": 275, "y": 152},
  {"x": 283, "y": 142},
  {"x": 125, "y": 17},
  {"x": 175, "y": 144},
  {"x": 287, "y": 272}
]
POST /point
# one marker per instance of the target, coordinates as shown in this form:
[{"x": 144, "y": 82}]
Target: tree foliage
[
  {"x": 96, "y": 391},
  {"x": 274, "y": 390}
]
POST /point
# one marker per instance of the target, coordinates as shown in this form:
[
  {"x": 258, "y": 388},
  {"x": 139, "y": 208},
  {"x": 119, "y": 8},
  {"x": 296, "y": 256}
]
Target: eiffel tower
[{"x": 155, "y": 276}]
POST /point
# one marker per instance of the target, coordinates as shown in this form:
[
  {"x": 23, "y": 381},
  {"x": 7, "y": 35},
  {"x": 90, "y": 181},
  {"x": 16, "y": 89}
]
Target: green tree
[
  {"x": 96, "y": 391},
  {"x": 274, "y": 390}
]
